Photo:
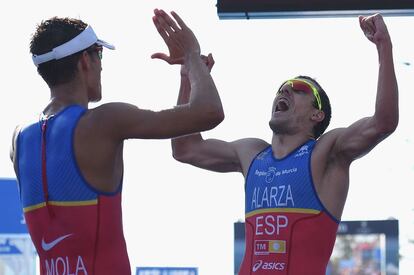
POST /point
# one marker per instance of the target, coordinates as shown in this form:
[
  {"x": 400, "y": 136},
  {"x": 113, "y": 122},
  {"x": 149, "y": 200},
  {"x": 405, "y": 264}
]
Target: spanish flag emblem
[
  {"x": 277, "y": 246},
  {"x": 266, "y": 247}
]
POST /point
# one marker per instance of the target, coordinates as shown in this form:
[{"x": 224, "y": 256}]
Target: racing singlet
[
  {"x": 288, "y": 230},
  {"x": 76, "y": 229}
]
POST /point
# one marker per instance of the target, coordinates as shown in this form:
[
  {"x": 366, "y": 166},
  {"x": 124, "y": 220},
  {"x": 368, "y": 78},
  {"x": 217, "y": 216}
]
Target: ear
[
  {"x": 84, "y": 61},
  {"x": 318, "y": 116}
]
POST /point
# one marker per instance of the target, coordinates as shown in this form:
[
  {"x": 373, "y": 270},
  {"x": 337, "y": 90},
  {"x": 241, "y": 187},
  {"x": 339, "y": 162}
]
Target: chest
[{"x": 286, "y": 183}]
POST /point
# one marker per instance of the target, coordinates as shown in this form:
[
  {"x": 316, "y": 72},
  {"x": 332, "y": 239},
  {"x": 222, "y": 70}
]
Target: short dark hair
[
  {"x": 50, "y": 34},
  {"x": 320, "y": 128}
]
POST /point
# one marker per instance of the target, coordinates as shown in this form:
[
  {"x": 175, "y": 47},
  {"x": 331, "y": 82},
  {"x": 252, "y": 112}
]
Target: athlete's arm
[
  {"x": 217, "y": 155},
  {"x": 336, "y": 149},
  {"x": 359, "y": 138},
  {"x": 202, "y": 112},
  {"x": 13, "y": 147},
  {"x": 212, "y": 154}
]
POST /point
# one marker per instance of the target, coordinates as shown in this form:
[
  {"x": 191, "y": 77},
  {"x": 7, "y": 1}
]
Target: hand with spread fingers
[
  {"x": 374, "y": 28},
  {"x": 180, "y": 40}
]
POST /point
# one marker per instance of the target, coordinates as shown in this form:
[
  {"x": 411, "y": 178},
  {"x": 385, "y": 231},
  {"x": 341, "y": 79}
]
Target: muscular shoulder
[
  {"x": 104, "y": 120},
  {"x": 250, "y": 145},
  {"x": 326, "y": 144},
  {"x": 107, "y": 111},
  {"x": 247, "y": 149},
  {"x": 326, "y": 154}
]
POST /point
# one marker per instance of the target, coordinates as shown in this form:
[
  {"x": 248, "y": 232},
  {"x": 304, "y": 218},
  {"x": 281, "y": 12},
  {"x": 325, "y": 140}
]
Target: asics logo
[
  {"x": 268, "y": 266},
  {"x": 257, "y": 265},
  {"x": 47, "y": 246}
]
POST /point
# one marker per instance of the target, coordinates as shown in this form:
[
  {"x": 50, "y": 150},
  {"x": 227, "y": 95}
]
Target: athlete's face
[
  {"x": 292, "y": 108},
  {"x": 95, "y": 88}
]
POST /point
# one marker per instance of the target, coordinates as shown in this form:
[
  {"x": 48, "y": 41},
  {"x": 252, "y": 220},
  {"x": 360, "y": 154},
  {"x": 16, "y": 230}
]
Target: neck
[
  {"x": 282, "y": 145},
  {"x": 66, "y": 94}
]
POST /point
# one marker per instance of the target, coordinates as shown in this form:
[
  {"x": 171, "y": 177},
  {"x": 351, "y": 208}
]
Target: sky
[{"x": 178, "y": 215}]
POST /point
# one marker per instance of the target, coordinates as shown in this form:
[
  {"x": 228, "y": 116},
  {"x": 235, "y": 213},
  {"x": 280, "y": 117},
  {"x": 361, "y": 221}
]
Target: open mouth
[{"x": 282, "y": 106}]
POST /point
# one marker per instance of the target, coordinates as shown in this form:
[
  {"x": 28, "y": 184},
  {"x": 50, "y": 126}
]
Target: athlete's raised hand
[
  {"x": 208, "y": 61},
  {"x": 180, "y": 40},
  {"x": 374, "y": 28}
]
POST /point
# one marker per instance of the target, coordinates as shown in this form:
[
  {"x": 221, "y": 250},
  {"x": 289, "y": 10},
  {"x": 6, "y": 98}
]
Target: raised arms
[
  {"x": 359, "y": 138},
  {"x": 336, "y": 149},
  {"x": 202, "y": 112},
  {"x": 212, "y": 154}
]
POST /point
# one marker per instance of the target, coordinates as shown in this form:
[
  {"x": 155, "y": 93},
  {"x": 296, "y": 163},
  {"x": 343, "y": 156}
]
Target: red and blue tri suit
[
  {"x": 76, "y": 229},
  {"x": 288, "y": 230}
]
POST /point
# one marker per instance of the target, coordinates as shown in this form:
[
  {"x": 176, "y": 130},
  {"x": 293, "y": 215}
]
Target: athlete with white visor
[{"x": 69, "y": 163}]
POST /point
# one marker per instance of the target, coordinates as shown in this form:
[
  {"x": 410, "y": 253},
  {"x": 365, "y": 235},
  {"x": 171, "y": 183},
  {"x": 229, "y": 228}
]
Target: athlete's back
[
  {"x": 70, "y": 163},
  {"x": 74, "y": 227}
]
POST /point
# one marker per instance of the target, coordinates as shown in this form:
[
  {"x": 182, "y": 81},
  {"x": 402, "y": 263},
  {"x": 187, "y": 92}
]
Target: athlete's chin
[
  {"x": 273, "y": 127},
  {"x": 277, "y": 127},
  {"x": 96, "y": 99}
]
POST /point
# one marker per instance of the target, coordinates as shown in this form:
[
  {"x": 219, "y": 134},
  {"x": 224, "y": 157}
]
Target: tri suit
[
  {"x": 288, "y": 230},
  {"x": 76, "y": 229}
]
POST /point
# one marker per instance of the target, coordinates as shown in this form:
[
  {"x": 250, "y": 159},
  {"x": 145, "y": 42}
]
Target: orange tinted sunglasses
[{"x": 306, "y": 86}]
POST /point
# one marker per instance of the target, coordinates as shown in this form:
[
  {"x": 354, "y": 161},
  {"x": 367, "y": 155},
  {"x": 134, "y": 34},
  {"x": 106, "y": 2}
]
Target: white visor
[{"x": 80, "y": 42}]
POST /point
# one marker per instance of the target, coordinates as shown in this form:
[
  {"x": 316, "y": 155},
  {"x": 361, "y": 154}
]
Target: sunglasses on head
[{"x": 306, "y": 86}]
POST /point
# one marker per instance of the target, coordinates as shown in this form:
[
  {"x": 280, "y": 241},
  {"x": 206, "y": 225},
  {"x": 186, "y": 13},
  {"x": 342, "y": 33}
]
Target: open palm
[{"x": 179, "y": 39}]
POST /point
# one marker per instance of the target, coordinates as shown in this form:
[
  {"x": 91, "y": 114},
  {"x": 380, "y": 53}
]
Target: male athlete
[
  {"x": 296, "y": 186},
  {"x": 69, "y": 163}
]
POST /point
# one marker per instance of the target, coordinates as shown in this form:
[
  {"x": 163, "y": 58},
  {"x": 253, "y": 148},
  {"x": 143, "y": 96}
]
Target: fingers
[
  {"x": 162, "y": 56},
  {"x": 179, "y": 38},
  {"x": 163, "y": 25},
  {"x": 367, "y": 25},
  {"x": 167, "y": 58},
  {"x": 160, "y": 28},
  {"x": 179, "y": 20},
  {"x": 210, "y": 59},
  {"x": 371, "y": 22},
  {"x": 360, "y": 18},
  {"x": 167, "y": 20},
  {"x": 375, "y": 29}
]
